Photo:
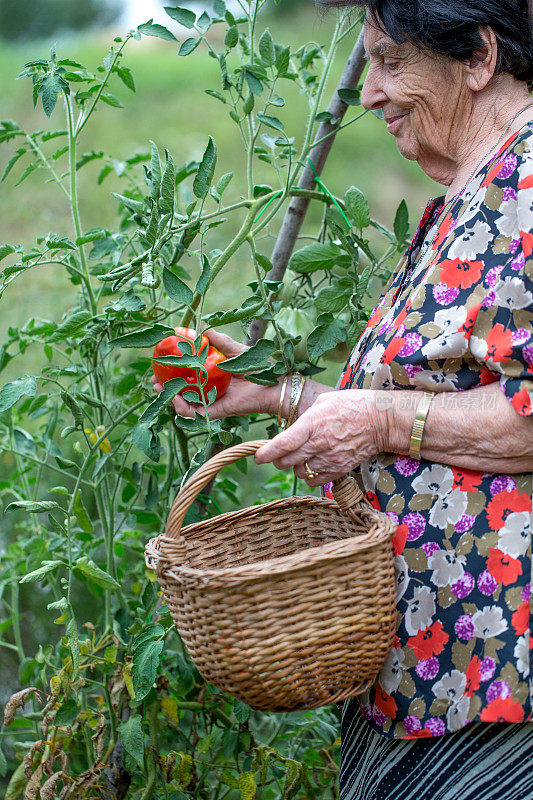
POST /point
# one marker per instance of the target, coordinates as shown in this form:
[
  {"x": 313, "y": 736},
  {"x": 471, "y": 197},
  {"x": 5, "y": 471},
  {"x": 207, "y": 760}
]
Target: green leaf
[
  {"x": 166, "y": 202},
  {"x": 94, "y": 573},
  {"x": 223, "y": 183},
  {"x": 150, "y": 233},
  {"x": 37, "y": 574},
  {"x": 352, "y": 97},
  {"x": 132, "y": 738},
  {"x": 248, "y": 105},
  {"x": 144, "y": 666},
  {"x": 81, "y": 514},
  {"x": 319, "y": 255},
  {"x": 145, "y": 338},
  {"x": 11, "y": 393},
  {"x": 264, "y": 262},
  {"x": 66, "y": 714},
  {"x": 249, "y": 309},
  {"x": 267, "y": 51},
  {"x": 126, "y": 77},
  {"x": 357, "y": 207},
  {"x": 254, "y": 84},
  {"x": 50, "y": 89},
  {"x": 3, "y": 765},
  {"x": 188, "y": 46},
  {"x": 71, "y": 326},
  {"x": 12, "y": 161},
  {"x": 7, "y": 249},
  {"x": 271, "y": 122},
  {"x": 184, "y": 16},
  {"x": 153, "y": 29},
  {"x": 282, "y": 60},
  {"x": 134, "y": 205},
  {"x": 401, "y": 223},
  {"x": 232, "y": 36},
  {"x": 206, "y": 170},
  {"x": 155, "y": 171},
  {"x": 325, "y": 337},
  {"x": 334, "y": 299},
  {"x": 33, "y": 506},
  {"x": 170, "y": 390},
  {"x": 254, "y": 358},
  {"x": 205, "y": 277},
  {"x": 204, "y": 22},
  {"x": 241, "y": 711},
  {"x": 362, "y": 283},
  {"x": 175, "y": 288}
]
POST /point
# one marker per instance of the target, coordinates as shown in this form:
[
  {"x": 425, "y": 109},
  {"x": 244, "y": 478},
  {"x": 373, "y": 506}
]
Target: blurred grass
[{"x": 170, "y": 106}]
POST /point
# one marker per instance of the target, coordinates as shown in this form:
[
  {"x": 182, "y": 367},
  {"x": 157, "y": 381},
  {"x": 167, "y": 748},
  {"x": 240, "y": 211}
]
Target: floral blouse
[{"x": 457, "y": 314}]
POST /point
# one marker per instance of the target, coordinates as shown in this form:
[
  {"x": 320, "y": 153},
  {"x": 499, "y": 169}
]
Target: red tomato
[{"x": 215, "y": 376}]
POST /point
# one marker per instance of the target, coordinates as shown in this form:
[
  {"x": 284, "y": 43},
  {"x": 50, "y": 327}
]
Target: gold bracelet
[
  {"x": 281, "y": 398},
  {"x": 419, "y": 423},
  {"x": 297, "y": 387}
]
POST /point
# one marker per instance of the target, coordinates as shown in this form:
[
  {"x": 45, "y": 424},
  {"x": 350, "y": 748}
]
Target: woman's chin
[{"x": 407, "y": 148}]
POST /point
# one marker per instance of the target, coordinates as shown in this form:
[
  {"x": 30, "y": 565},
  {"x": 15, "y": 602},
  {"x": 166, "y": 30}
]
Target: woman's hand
[
  {"x": 335, "y": 435},
  {"x": 241, "y": 397}
]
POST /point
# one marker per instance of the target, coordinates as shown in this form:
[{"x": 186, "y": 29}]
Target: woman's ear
[{"x": 482, "y": 66}]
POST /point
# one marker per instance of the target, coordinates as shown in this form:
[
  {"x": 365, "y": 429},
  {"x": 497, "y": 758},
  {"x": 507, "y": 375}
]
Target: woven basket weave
[{"x": 288, "y": 605}]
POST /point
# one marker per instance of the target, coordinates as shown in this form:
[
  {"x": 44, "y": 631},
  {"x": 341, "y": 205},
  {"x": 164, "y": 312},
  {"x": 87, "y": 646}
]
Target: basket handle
[{"x": 347, "y": 493}]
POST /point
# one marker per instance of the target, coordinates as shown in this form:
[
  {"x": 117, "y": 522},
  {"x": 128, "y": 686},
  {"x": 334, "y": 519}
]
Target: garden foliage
[{"x": 107, "y": 702}]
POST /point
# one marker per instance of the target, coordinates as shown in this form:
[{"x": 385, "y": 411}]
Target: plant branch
[{"x": 319, "y": 152}]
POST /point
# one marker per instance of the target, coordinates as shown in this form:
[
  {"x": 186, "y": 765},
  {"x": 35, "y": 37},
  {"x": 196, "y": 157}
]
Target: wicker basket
[{"x": 288, "y": 605}]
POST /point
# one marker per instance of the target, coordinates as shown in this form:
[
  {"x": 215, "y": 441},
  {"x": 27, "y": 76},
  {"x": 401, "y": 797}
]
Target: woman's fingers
[
  {"x": 287, "y": 448},
  {"x": 227, "y": 346},
  {"x": 185, "y": 409}
]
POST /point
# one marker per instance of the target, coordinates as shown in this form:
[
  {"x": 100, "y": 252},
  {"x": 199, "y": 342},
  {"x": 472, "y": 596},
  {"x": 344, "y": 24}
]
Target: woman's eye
[{"x": 389, "y": 63}]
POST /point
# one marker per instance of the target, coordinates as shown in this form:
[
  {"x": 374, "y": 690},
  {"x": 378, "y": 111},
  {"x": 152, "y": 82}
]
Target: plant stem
[
  {"x": 15, "y": 608},
  {"x": 74, "y": 204},
  {"x": 223, "y": 259}
]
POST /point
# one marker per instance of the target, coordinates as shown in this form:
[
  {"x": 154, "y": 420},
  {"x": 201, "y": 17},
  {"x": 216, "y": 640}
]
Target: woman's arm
[{"x": 477, "y": 429}]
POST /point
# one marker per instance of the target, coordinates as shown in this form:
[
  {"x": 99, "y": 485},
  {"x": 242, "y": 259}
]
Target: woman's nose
[{"x": 372, "y": 94}]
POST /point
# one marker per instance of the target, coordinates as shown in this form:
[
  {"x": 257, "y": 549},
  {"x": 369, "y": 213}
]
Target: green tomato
[
  {"x": 289, "y": 289},
  {"x": 295, "y": 322}
]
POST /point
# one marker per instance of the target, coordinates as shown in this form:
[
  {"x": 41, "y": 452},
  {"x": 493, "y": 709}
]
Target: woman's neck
[{"x": 491, "y": 121}]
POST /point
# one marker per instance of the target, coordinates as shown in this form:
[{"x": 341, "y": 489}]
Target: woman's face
[{"x": 422, "y": 96}]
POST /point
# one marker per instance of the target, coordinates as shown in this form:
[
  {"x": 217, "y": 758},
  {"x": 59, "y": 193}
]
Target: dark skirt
[{"x": 480, "y": 762}]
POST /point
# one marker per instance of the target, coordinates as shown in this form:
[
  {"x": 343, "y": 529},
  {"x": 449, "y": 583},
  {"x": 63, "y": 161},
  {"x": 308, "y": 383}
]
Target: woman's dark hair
[{"x": 452, "y": 28}]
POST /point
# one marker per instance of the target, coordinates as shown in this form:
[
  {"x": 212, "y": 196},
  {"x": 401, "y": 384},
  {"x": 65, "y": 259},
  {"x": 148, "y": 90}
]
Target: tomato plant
[
  {"x": 105, "y": 701},
  {"x": 198, "y": 380}
]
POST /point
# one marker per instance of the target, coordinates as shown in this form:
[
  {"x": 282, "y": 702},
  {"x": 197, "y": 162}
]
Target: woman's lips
[{"x": 394, "y": 123}]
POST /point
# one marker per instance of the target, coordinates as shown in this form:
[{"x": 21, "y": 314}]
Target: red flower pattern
[
  {"x": 499, "y": 344},
  {"x": 503, "y": 710},
  {"x": 429, "y": 642},
  {"x": 505, "y": 503},
  {"x": 503, "y": 568},
  {"x": 460, "y": 274},
  {"x": 473, "y": 677},
  {"x": 520, "y": 618},
  {"x": 467, "y": 480}
]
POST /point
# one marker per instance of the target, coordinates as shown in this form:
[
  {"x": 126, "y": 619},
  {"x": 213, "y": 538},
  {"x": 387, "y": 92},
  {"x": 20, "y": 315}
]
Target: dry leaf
[
  {"x": 17, "y": 700},
  {"x": 48, "y": 789}
]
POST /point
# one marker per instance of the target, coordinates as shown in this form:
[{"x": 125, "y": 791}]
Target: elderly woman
[{"x": 433, "y": 412}]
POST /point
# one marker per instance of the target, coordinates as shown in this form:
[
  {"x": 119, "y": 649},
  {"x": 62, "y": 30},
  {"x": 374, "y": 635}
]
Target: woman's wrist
[{"x": 272, "y": 395}]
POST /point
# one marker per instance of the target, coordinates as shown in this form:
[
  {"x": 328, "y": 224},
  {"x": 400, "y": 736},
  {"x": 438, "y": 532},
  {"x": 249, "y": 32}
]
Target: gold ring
[{"x": 309, "y": 472}]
